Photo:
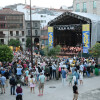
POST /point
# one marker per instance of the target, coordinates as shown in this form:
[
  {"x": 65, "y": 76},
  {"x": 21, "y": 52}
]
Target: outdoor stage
[{"x": 67, "y": 32}]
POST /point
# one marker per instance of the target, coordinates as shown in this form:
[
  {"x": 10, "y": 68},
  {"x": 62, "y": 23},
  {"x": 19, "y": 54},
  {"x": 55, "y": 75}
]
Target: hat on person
[{"x": 18, "y": 85}]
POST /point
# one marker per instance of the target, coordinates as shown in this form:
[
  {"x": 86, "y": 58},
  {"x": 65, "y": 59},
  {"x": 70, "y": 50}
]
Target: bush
[{"x": 6, "y": 53}]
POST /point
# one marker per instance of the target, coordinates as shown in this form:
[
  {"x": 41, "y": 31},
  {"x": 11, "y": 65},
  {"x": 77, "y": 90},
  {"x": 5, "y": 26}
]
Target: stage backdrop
[
  {"x": 50, "y": 36},
  {"x": 86, "y": 37}
]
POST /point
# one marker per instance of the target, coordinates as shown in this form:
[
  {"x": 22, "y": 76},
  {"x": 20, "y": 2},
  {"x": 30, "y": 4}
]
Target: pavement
[{"x": 54, "y": 90}]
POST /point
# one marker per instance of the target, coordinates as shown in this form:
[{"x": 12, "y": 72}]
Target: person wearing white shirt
[
  {"x": 54, "y": 70},
  {"x": 81, "y": 67}
]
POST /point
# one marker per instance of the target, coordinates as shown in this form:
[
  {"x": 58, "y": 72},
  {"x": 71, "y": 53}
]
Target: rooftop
[{"x": 10, "y": 11}]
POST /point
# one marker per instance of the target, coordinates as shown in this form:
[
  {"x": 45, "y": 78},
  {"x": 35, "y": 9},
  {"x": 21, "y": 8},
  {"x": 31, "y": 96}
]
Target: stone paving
[
  {"x": 54, "y": 90},
  {"x": 91, "y": 95}
]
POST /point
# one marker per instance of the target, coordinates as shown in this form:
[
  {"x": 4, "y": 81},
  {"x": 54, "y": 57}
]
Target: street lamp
[{"x": 31, "y": 35}]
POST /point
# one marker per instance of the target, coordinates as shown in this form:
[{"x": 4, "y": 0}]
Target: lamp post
[{"x": 31, "y": 35}]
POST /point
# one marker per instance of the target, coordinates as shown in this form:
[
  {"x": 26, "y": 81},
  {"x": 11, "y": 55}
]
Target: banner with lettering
[
  {"x": 86, "y": 37},
  {"x": 50, "y": 37}
]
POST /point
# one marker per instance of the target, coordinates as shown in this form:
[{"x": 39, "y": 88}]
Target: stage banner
[
  {"x": 86, "y": 37},
  {"x": 50, "y": 36}
]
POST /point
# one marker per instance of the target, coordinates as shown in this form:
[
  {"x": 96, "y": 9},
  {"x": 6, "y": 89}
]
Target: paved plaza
[{"x": 54, "y": 90}]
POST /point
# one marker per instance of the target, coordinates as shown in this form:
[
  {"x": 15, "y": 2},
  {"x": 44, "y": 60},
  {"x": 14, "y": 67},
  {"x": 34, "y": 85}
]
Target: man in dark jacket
[
  {"x": 12, "y": 84},
  {"x": 75, "y": 91}
]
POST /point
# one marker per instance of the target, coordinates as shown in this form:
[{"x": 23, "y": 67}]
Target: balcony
[{"x": 84, "y": 10}]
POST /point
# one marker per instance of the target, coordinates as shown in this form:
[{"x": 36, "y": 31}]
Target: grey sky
[{"x": 40, "y": 3}]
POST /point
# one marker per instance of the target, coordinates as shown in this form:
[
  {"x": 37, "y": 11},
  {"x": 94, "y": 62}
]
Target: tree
[
  {"x": 52, "y": 51},
  {"x": 28, "y": 42},
  {"x": 6, "y": 53},
  {"x": 95, "y": 50},
  {"x": 14, "y": 43}
]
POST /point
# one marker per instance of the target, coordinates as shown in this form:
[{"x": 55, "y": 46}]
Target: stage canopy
[{"x": 70, "y": 19}]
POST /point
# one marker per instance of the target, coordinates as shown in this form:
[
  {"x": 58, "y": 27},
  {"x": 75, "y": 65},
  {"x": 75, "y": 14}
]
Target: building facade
[
  {"x": 87, "y": 6},
  {"x": 44, "y": 37},
  {"x": 12, "y": 26},
  {"x": 36, "y": 32}
]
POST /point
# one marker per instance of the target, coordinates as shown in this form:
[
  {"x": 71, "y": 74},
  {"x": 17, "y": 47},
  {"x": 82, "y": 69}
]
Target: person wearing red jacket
[{"x": 19, "y": 92}]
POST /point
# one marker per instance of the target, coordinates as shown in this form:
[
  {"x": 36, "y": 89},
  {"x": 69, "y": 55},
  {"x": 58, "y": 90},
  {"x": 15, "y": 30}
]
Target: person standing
[
  {"x": 19, "y": 71},
  {"x": 50, "y": 67},
  {"x": 76, "y": 75},
  {"x": 63, "y": 76},
  {"x": 81, "y": 77},
  {"x": 41, "y": 84},
  {"x": 3, "y": 82},
  {"x": 47, "y": 72},
  {"x": 32, "y": 83},
  {"x": 54, "y": 70},
  {"x": 12, "y": 84},
  {"x": 70, "y": 77},
  {"x": 26, "y": 78},
  {"x": 6, "y": 74},
  {"x": 75, "y": 91}
]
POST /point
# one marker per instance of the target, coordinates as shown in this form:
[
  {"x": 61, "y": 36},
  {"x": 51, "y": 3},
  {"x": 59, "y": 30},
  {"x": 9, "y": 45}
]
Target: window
[
  {"x": 36, "y": 32},
  {"x": 17, "y": 33},
  {"x": 28, "y": 24},
  {"x": 2, "y": 25},
  {"x": 29, "y": 32},
  {"x": 22, "y": 33},
  {"x": 35, "y": 24},
  {"x": 16, "y": 26},
  {"x": 2, "y": 41},
  {"x": 11, "y": 33},
  {"x": 41, "y": 15},
  {"x": 77, "y": 6},
  {"x": 94, "y": 4},
  {"x": 43, "y": 21},
  {"x": 23, "y": 40},
  {"x": 84, "y": 5},
  {"x": 2, "y": 18},
  {"x": 2, "y": 34}
]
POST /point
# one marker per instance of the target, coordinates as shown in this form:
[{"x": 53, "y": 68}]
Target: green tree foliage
[
  {"x": 6, "y": 53},
  {"x": 95, "y": 50},
  {"x": 52, "y": 51},
  {"x": 28, "y": 42},
  {"x": 14, "y": 43}
]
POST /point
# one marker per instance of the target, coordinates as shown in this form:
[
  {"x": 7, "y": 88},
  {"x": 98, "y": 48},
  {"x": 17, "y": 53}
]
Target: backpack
[
  {"x": 12, "y": 81},
  {"x": 84, "y": 69}
]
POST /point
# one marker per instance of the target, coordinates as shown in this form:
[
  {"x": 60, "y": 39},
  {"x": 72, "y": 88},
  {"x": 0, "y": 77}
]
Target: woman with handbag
[{"x": 32, "y": 83}]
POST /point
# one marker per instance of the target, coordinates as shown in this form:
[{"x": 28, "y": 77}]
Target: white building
[{"x": 87, "y": 6}]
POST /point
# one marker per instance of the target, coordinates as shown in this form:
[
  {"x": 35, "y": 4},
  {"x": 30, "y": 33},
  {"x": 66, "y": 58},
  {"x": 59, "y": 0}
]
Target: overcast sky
[{"x": 40, "y": 3}]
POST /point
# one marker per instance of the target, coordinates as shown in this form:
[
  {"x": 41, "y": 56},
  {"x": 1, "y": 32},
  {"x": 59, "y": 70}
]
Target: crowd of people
[
  {"x": 70, "y": 49},
  {"x": 21, "y": 72}
]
